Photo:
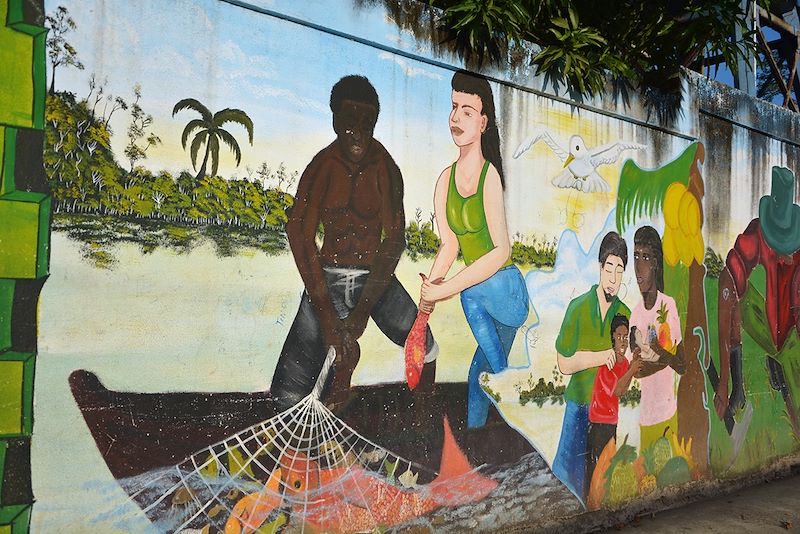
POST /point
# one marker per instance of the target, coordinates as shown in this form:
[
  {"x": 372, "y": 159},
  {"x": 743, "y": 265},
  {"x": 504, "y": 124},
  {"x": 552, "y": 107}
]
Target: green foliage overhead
[{"x": 580, "y": 42}]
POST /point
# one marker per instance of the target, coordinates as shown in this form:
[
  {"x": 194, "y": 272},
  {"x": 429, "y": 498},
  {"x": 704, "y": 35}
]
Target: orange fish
[
  {"x": 252, "y": 510},
  {"x": 352, "y": 499}
]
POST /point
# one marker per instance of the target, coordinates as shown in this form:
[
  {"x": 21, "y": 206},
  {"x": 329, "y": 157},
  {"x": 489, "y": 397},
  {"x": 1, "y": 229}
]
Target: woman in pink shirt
[{"x": 656, "y": 331}]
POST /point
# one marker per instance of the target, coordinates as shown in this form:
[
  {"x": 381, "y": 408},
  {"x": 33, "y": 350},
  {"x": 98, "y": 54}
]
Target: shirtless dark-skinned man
[{"x": 354, "y": 190}]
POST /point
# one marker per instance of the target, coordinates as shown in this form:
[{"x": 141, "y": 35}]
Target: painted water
[{"x": 165, "y": 321}]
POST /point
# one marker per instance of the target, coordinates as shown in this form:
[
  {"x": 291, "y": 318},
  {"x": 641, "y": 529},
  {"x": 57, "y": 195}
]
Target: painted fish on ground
[{"x": 353, "y": 499}]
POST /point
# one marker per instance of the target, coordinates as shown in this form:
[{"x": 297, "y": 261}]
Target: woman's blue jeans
[{"x": 495, "y": 309}]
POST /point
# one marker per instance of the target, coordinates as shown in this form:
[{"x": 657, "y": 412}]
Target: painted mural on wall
[{"x": 290, "y": 293}]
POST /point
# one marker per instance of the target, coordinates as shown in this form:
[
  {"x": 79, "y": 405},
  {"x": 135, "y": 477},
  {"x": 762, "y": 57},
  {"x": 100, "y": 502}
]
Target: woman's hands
[{"x": 433, "y": 291}]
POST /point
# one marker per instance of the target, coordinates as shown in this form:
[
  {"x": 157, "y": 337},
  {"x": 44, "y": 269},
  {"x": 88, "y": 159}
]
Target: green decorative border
[
  {"x": 19, "y": 517},
  {"x": 28, "y": 370},
  {"x": 16, "y": 21}
]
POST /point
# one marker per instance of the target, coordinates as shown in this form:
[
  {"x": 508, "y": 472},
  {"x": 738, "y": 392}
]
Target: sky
[{"x": 280, "y": 73}]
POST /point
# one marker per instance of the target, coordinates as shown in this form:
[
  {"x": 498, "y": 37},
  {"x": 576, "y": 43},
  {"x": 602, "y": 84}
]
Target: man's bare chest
[{"x": 357, "y": 193}]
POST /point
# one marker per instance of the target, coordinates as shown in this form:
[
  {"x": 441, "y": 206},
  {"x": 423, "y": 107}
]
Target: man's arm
[
  {"x": 584, "y": 359},
  {"x": 301, "y": 231},
  {"x": 625, "y": 380},
  {"x": 393, "y": 220},
  {"x": 571, "y": 360},
  {"x": 741, "y": 260}
]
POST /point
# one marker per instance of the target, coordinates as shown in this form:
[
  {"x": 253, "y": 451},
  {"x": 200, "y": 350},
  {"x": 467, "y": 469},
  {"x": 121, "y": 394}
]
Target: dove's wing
[
  {"x": 595, "y": 184},
  {"x": 610, "y": 153},
  {"x": 559, "y": 151},
  {"x": 528, "y": 142},
  {"x": 565, "y": 180}
]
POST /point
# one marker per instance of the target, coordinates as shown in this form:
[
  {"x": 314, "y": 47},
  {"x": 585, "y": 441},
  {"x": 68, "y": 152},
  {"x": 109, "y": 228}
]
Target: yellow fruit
[
  {"x": 693, "y": 216},
  {"x": 670, "y": 249},
  {"x": 683, "y": 448},
  {"x": 685, "y": 250},
  {"x": 672, "y": 200},
  {"x": 683, "y": 213}
]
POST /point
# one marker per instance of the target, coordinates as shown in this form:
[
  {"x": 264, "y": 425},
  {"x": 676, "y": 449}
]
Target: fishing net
[{"x": 280, "y": 475}]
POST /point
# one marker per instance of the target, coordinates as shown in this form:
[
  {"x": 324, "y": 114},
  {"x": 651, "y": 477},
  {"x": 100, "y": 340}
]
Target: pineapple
[
  {"x": 664, "y": 333},
  {"x": 623, "y": 485}
]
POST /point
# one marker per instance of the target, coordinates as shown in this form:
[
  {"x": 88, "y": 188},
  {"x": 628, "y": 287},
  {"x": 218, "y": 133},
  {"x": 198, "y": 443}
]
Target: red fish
[
  {"x": 352, "y": 499},
  {"x": 415, "y": 349}
]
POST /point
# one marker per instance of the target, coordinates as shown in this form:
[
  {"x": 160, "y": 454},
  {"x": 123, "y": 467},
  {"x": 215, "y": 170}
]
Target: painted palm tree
[{"x": 210, "y": 133}]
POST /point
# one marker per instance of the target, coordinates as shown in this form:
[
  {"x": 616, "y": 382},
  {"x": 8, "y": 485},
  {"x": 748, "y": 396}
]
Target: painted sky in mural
[{"x": 286, "y": 94}]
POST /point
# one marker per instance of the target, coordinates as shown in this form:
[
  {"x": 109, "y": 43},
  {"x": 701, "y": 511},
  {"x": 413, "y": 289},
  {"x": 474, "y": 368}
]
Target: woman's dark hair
[
  {"x": 474, "y": 84},
  {"x": 613, "y": 245},
  {"x": 616, "y": 322},
  {"x": 648, "y": 236}
]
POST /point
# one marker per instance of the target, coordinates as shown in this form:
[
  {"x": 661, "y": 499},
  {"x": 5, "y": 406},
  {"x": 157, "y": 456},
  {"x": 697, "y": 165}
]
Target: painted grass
[{"x": 769, "y": 435}]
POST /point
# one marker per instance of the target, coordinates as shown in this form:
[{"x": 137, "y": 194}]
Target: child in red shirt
[{"x": 609, "y": 385}]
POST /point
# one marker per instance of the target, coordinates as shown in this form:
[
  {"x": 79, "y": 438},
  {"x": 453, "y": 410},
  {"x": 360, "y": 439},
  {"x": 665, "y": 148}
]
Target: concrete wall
[{"x": 174, "y": 283}]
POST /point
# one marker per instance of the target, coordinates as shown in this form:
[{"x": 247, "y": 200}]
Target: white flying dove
[{"x": 580, "y": 162}]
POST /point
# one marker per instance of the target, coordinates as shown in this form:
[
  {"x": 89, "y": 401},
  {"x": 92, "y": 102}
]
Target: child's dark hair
[{"x": 616, "y": 322}]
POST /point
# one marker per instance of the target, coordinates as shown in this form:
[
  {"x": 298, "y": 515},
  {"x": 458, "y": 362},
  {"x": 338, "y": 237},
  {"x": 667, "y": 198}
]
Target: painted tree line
[{"x": 86, "y": 178}]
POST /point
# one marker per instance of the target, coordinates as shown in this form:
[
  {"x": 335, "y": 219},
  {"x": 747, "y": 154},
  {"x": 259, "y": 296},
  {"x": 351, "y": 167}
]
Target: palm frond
[
  {"x": 641, "y": 191},
  {"x": 198, "y": 141},
  {"x": 193, "y": 125},
  {"x": 229, "y": 140},
  {"x": 193, "y": 104},
  {"x": 234, "y": 115},
  {"x": 213, "y": 144}
]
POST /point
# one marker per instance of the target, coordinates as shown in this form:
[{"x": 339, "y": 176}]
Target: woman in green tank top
[{"x": 470, "y": 216}]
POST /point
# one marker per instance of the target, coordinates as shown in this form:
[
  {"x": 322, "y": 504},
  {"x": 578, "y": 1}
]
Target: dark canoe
[{"x": 138, "y": 432}]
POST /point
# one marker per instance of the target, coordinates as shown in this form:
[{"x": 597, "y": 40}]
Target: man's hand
[
  {"x": 636, "y": 362},
  {"x": 647, "y": 352},
  {"x": 426, "y": 304},
  {"x": 433, "y": 290},
  {"x": 347, "y": 356},
  {"x": 332, "y": 337},
  {"x": 607, "y": 358},
  {"x": 426, "y": 307},
  {"x": 354, "y": 326}
]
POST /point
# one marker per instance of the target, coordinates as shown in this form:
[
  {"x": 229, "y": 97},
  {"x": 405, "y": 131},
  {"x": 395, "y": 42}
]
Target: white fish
[{"x": 408, "y": 479}]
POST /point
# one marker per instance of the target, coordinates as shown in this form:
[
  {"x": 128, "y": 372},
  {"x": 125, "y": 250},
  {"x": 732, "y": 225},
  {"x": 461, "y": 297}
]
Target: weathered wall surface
[{"x": 225, "y": 209}]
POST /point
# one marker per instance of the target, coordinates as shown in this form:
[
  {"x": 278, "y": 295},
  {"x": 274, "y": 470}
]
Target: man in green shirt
[{"x": 584, "y": 344}]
